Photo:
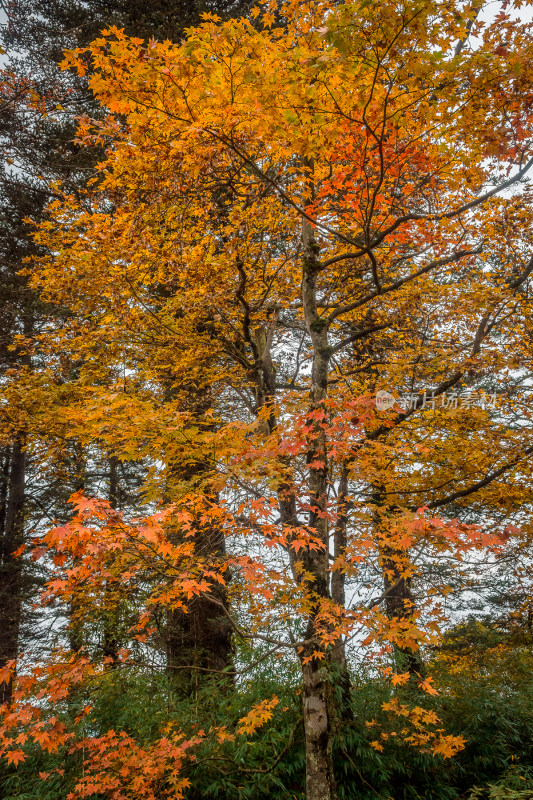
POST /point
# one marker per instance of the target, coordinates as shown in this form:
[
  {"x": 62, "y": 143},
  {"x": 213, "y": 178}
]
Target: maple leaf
[
  {"x": 6, "y": 672},
  {"x": 15, "y": 756},
  {"x": 448, "y": 746},
  {"x": 426, "y": 686},
  {"x": 399, "y": 679},
  {"x": 261, "y": 713}
]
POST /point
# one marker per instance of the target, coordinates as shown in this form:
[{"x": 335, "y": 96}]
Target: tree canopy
[{"x": 294, "y": 298}]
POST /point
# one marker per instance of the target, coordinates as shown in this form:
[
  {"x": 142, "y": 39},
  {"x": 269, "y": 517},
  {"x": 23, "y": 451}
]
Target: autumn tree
[
  {"x": 292, "y": 219},
  {"x": 39, "y": 109}
]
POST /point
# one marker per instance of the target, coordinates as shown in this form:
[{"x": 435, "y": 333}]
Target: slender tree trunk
[
  {"x": 11, "y": 565},
  {"x": 317, "y": 695}
]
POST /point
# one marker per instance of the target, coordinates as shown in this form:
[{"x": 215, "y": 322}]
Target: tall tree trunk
[
  {"x": 317, "y": 696},
  {"x": 319, "y": 776},
  {"x": 399, "y": 607},
  {"x": 11, "y": 565},
  {"x": 198, "y": 643},
  {"x": 399, "y": 599}
]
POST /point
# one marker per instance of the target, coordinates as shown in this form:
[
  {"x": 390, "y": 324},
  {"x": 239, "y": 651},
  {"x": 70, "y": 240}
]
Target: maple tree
[
  {"x": 288, "y": 219},
  {"x": 37, "y": 123}
]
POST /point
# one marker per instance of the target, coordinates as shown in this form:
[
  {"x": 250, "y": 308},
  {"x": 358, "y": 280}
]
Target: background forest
[{"x": 266, "y": 342}]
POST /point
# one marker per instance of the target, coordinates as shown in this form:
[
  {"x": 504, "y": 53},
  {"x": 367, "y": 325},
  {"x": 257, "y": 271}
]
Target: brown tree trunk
[
  {"x": 198, "y": 643},
  {"x": 399, "y": 606},
  {"x": 11, "y": 565},
  {"x": 399, "y": 600}
]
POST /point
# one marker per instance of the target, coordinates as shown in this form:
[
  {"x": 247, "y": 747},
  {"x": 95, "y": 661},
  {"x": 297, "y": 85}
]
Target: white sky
[{"x": 490, "y": 10}]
